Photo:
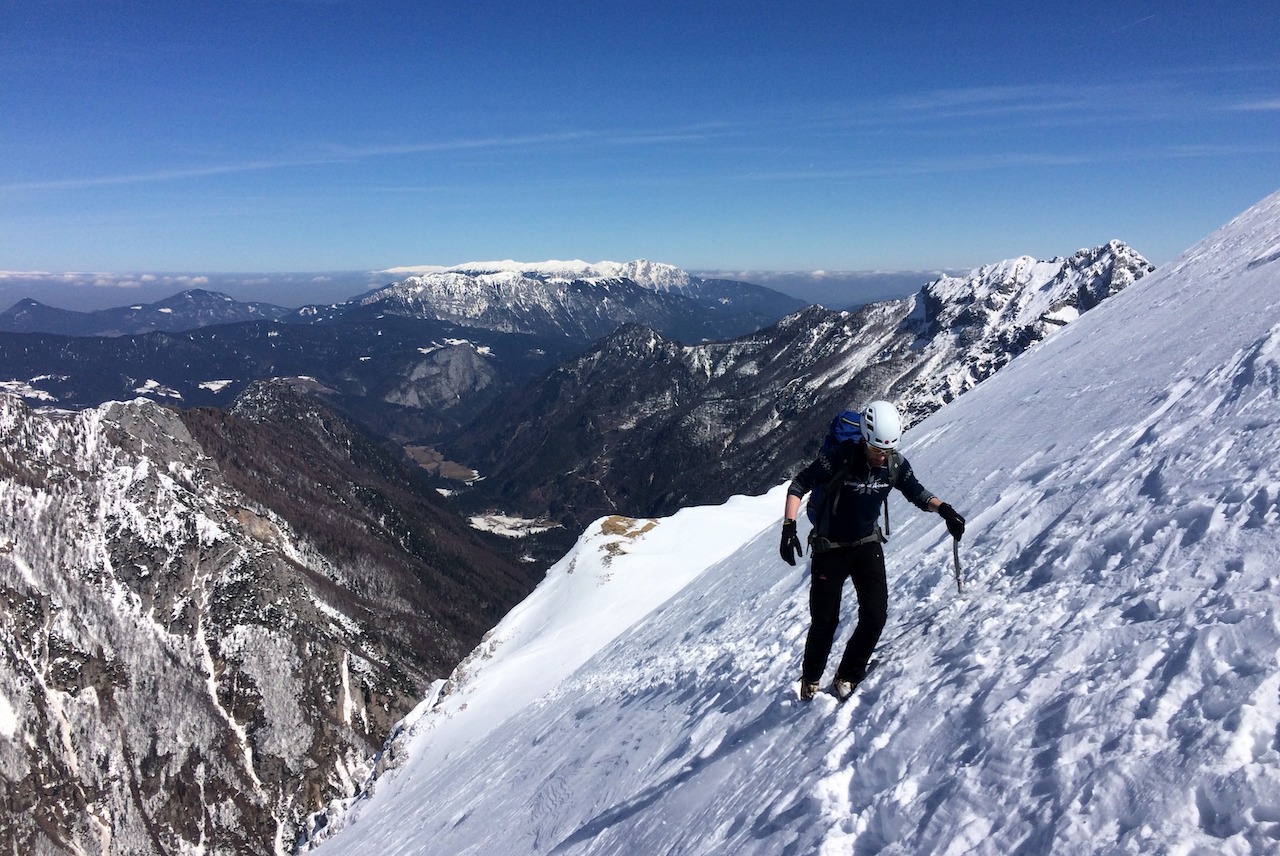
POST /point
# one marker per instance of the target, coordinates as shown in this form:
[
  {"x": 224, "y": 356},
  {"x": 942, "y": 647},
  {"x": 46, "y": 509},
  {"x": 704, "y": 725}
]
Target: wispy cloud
[
  {"x": 930, "y": 165},
  {"x": 1176, "y": 94},
  {"x": 160, "y": 175},
  {"x": 994, "y": 161},
  {"x": 1136, "y": 23},
  {"x": 344, "y": 153},
  {"x": 947, "y": 111},
  {"x": 990, "y": 100},
  {"x": 1264, "y": 106},
  {"x": 85, "y": 279}
]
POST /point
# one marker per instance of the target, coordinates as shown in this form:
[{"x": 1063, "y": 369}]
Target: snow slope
[{"x": 1106, "y": 683}]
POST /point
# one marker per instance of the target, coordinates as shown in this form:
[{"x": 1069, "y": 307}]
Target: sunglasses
[{"x": 876, "y": 450}]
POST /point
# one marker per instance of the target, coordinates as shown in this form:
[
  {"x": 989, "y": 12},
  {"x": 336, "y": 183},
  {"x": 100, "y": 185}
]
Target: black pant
[{"x": 865, "y": 565}]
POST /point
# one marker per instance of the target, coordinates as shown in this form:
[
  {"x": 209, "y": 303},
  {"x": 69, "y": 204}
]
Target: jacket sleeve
[
  {"x": 819, "y": 471},
  {"x": 910, "y": 486}
]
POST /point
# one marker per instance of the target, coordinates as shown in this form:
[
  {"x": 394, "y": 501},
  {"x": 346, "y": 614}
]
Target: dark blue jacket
[{"x": 858, "y": 499}]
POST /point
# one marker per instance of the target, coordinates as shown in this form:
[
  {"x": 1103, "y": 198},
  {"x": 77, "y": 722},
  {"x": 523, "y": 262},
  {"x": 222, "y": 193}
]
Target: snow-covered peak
[
  {"x": 653, "y": 275},
  {"x": 1024, "y": 290},
  {"x": 577, "y": 299}
]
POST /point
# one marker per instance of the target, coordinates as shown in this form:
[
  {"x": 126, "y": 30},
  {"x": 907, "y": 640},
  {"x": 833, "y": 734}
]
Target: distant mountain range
[
  {"x": 185, "y": 311},
  {"x": 643, "y": 425},
  {"x": 396, "y": 375},
  {"x": 576, "y": 389},
  {"x": 575, "y": 300},
  {"x": 413, "y": 360}
]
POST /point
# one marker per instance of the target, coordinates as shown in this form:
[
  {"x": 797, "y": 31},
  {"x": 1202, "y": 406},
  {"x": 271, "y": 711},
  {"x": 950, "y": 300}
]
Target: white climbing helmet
[{"x": 881, "y": 425}]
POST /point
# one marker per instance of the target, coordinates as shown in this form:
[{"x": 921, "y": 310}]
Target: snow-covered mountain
[
  {"x": 645, "y": 425},
  {"x": 1107, "y": 682},
  {"x": 969, "y": 327},
  {"x": 210, "y": 620},
  {"x": 653, "y": 275},
  {"x": 186, "y": 311},
  {"x": 577, "y": 299}
]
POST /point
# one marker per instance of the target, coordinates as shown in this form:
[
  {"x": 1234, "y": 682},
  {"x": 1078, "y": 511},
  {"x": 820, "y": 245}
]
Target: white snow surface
[
  {"x": 1106, "y": 683},
  {"x": 509, "y": 526},
  {"x": 8, "y": 719}
]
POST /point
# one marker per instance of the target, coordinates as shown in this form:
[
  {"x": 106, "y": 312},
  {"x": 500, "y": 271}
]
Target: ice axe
[
  {"x": 955, "y": 525},
  {"x": 955, "y": 554}
]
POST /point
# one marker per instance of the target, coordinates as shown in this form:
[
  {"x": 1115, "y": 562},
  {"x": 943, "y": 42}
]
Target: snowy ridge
[
  {"x": 1107, "y": 683},
  {"x": 1025, "y": 290},
  {"x": 653, "y": 275},
  {"x": 576, "y": 299},
  {"x": 620, "y": 570},
  {"x": 587, "y": 599},
  {"x": 477, "y": 290},
  {"x": 972, "y": 326}
]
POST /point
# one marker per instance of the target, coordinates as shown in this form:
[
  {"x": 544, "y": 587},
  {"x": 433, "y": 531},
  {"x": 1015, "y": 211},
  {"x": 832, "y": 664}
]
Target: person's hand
[
  {"x": 955, "y": 523},
  {"x": 790, "y": 545}
]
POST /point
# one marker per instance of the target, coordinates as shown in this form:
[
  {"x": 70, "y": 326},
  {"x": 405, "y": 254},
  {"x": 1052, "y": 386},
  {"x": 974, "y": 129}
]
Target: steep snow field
[{"x": 1107, "y": 682}]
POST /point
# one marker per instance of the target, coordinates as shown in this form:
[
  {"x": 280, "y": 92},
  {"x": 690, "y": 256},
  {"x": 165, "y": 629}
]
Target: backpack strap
[{"x": 829, "y": 493}]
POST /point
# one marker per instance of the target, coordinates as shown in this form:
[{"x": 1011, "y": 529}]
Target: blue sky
[{"x": 313, "y": 135}]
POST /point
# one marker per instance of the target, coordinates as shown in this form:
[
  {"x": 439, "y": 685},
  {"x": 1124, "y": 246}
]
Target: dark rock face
[{"x": 212, "y": 620}]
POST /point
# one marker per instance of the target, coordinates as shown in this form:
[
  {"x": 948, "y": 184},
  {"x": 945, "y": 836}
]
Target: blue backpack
[{"x": 846, "y": 427}]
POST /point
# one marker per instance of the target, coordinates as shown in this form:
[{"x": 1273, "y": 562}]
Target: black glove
[
  {"x": 955, "y": 523},
  {"x": 790, "y": 545}
]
